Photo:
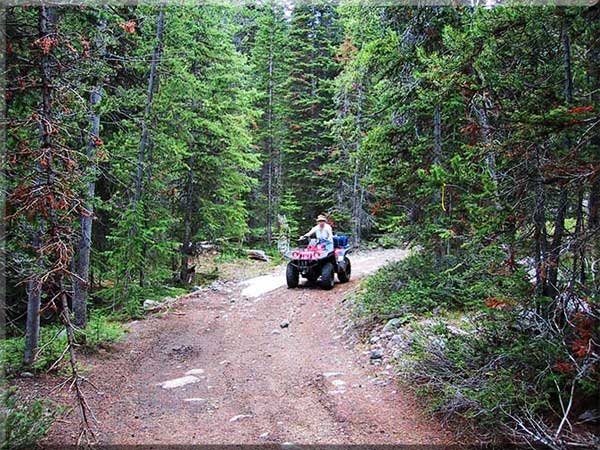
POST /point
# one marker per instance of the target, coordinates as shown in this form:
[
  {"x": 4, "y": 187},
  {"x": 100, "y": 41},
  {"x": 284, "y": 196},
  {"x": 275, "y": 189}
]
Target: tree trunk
[
  {"x": 554, "y": 254},
  {"x": 152, "y": 77},
  {"x": 563, "y": 202},
  {"x": 486, "y": 138},
  {"x": 437, "y": 160},
  {"x": 270, "y": 145},
  {"x": 34, "y": 285},
  {"x": 357, "y": 189},
  {"x": 145, "y": 138},
  {"x": 540, "y": 234},
  {"x": 81, "y": 282},
  {"x": 187, "y": 221},
  {"x": 32, "y": 324}
]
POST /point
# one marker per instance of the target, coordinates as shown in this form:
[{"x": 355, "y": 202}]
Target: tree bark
[
  {"x": 34, "y": 284},
  {"x": 145, "y": 138},
  {"x": 81, "y": 282},
  {"x": 152, "y": 77},
  {"x": 270, "y": 144},
  {"x": 563, "y": 202},
  {"x": 357, "y": 189},
  {"x": 187, "y": 221},
  {"x": 539, "y": 222},
  {"x": 437, "y": 160}
]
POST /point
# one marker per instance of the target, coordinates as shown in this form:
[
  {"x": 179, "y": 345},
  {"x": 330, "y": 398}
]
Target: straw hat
[{"x": 321, "y": 218}]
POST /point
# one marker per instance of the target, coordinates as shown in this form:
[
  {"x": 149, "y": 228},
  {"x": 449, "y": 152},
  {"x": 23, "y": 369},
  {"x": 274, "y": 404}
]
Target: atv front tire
[
  {"x": 292, "y": 276},
  {"x": 327, "y": 280},
  {"x": 344, "y": 275},
  {"x": 312, "y": 278}
]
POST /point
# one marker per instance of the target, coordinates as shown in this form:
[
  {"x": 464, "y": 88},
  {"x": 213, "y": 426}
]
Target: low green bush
[
  {"x": 419, "y": 283},
  {"x": 101, "y": 330},
  {"x": 25, "y": 423},
  {"x": 132, "y": 307},
  {"x": 510, "y": 369},
  {"x": 484, "y": 348},
  {"x": 52, "y": 343}
]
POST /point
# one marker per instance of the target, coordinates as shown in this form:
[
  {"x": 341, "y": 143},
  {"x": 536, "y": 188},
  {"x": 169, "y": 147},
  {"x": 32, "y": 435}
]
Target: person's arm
[{"x": 311, "y": 232}]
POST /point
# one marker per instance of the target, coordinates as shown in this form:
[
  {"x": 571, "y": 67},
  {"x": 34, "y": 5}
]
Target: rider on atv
[{"x": 323, "y": 232}]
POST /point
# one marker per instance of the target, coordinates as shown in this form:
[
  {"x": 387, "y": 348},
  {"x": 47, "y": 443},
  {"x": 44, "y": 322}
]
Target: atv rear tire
[
  {"x": 292, "y": 276},
  {"x": 327, "y": 280},
  {"x": 344, "y": 275}
]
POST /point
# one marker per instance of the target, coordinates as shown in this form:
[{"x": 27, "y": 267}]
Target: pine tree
[
  {"x": 269, "y": 61},
  {"x": 311, "y": 44}
]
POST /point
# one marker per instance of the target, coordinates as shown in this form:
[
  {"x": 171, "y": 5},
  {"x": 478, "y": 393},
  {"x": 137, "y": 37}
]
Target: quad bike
[{"x": 311, "y": 260}]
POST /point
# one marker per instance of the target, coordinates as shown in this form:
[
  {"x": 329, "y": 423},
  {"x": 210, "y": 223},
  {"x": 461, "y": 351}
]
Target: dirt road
[{"x": 223, "y": 368}]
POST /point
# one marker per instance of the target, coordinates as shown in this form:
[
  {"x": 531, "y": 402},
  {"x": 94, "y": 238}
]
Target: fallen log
[{"x": 258, "y": 254}]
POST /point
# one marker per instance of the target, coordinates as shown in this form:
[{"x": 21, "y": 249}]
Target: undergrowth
[
  {"x": 25, "y": 422},
  {"x": 520, "y": 366},
  {"x": 419, "y": 284},
  {"x": 100, "y": 331}
]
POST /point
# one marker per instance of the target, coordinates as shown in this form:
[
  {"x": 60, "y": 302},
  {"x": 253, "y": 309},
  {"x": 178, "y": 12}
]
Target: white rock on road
[
  {"x": 239, "y": 417},
  {"x": 178, "y": 382}
]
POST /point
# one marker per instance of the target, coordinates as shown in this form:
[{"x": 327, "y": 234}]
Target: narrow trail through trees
[{"x": 223, "y": 368}]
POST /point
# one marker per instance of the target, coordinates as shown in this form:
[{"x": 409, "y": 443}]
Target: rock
[
  {"x": 338, "y": 383},
  {"x": 195, "y": 400},
  {"x": 216, "y": 286},
  {"x": 179, "y": 382},
  {"x": 393, "y": 324},
  {"x": 264, "y": 435},
  {"x": 397, "y": 354},
  {"x": 456, "y": 331},
  {"x": 376, "y": 354},
  {"x": 275, "y": 332},
  {"x": 374, "y": 339},
  {"x": 332, "y": 374},
  {"x": 428, "y": 323},
  {"x": 591, "y": 415},
  {"x": 26, "y": 375},
  {"x": 151, "y": 304},
  {"x": 196, "y": 288},
  {"x": 396, "y": 341},
  {"x": 239, "y": 417},
  {"x": 284, "y": 324},
  {"x": 195, "y": 372}
]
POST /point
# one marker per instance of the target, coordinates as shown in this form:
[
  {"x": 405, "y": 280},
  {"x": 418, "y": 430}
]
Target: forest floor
[{"x": 225, "y": 368}]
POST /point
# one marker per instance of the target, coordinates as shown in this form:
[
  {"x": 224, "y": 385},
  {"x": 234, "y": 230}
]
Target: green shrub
[
  {"x": 507, "y": 368},
  {"x": 419, "y": 283},
  {"x": 101, "y": 329},
  {"x": 25, "y": 424},
  {"x": 52, "y": 344},
  {"x": 132, "y": 307},
  {"x": 53, "y": 341}
]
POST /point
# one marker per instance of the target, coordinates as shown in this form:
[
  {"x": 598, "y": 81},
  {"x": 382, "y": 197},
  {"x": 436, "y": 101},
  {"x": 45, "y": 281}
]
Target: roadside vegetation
[{"x": 479, "y": 345}]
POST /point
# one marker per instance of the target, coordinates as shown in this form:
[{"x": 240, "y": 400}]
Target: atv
[{"x": 311, "y": 260}]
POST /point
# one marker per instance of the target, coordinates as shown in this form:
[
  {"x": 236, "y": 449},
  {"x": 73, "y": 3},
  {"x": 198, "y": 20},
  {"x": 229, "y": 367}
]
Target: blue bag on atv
[{"x": 340, "y": 241}]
